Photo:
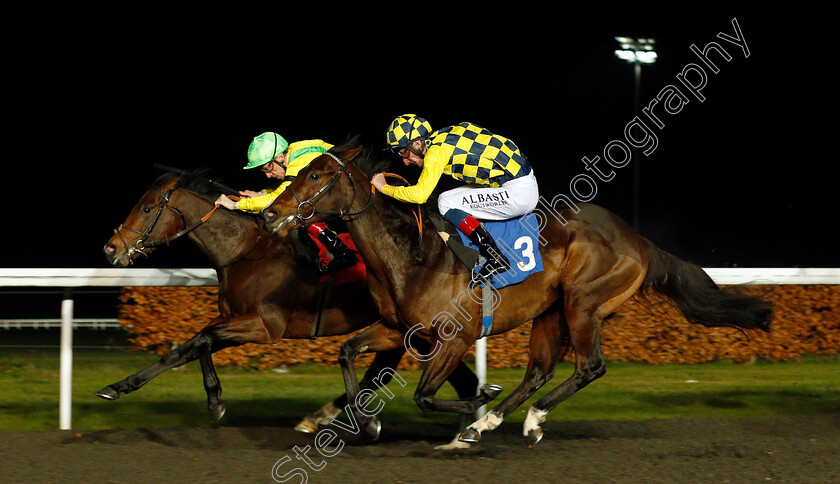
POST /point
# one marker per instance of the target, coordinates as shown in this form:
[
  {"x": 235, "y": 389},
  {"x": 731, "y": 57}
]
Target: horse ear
[{"x": 348, "y": 155}]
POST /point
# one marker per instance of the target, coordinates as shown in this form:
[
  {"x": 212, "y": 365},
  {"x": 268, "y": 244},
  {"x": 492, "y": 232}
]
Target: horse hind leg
[
  {"x": 328, "y": 413},
  {"x": 589, "y": 366},
  {"x": 545, "y": 346},
  {"x": 463, "y": 380},
  {"x": 323, "y": 416}
]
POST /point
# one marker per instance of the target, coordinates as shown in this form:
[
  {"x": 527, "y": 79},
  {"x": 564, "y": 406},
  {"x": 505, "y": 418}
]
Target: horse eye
[
  {"x": 147, "y": 209},
  {"x": 313, "y": 176}
]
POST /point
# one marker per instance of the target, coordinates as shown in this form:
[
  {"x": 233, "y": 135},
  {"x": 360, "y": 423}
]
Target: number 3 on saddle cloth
[{"x": 518, "y": 239}]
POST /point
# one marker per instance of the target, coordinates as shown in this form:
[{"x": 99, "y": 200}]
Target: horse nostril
[
  {"x": 270, "y": 215},
  {"x": 109, "y": 249}
]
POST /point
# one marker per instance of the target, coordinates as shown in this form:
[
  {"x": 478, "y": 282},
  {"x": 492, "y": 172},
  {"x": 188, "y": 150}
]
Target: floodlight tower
[{"x": 637, "y": 52}]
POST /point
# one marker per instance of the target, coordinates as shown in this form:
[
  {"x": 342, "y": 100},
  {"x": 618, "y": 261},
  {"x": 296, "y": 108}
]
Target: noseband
[{"x": 306, "y": 208}]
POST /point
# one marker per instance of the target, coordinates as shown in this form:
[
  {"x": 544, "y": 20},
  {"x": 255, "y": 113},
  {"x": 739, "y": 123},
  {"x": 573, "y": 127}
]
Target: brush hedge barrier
[{"x": 806, "y": 323}]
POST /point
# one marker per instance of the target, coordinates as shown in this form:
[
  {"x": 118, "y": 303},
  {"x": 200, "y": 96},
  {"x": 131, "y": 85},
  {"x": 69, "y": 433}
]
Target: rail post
[{"x": 66, "y": 364}]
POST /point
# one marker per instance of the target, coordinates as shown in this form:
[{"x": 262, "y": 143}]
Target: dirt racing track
[{"x": 772, "y": 449}]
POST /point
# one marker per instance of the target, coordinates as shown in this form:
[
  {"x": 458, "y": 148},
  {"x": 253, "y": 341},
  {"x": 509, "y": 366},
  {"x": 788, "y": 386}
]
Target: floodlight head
[{"x": 636, "y": 50}]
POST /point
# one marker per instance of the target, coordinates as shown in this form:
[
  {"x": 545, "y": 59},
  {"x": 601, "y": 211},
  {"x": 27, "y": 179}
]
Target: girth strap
[
  {"x": 486, "y": 309},
  {"x": 322, "y": 300}
]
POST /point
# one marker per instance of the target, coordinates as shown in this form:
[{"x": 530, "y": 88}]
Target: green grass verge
[{"x": 30, "y": 386}]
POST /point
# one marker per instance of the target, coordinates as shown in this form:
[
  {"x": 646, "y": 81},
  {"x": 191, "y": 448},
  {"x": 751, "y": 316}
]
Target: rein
[
  {"x": 311, "y": 210},
  {"x": 142, "y": 245},
  {"x": 418, "y": 216},
  {"x": 310, "y": 203}
]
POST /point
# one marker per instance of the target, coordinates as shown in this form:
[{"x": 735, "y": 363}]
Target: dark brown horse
[
  {"x": 263, "y": 294},
  {"x": 593, "y": 263}
]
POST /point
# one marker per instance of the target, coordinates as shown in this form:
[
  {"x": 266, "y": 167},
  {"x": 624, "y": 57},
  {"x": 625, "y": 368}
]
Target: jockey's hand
[
  {"x": 251, "y": 193},
  {"x": 378, "y": 181},
  {"x": 226, "y": 202}
]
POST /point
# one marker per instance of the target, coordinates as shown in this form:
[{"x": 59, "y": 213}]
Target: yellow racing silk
[
  {"x": 465, "y": 152},
  {"x": 300, "y": 155}
]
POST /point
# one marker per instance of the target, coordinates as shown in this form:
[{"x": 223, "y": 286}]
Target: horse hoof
[
  {"x": 217, "y": 411},
  {"x": 373, "y": 428},
  {"x": 534, "y": 436},
  {"x": 470, "y": 436},
  {"x": 491, "y": 390},
  {"x": 306, "y": 426},
  {"x": 454, "y": 445},
  {"x": 108, "y": 393}
]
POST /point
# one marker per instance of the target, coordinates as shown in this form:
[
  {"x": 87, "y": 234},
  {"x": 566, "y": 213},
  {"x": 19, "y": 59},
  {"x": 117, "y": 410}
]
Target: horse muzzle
[
  {"x": 116, "y": 257},
  {"x": 274, "y": 223},
  {"x": 124, "y": 257}
]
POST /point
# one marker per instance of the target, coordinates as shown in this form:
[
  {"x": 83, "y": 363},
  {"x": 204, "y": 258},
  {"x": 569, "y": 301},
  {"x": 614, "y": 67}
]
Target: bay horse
[
  {"x": 263, "y": 294},
  {"x": 593, "y": 262}
]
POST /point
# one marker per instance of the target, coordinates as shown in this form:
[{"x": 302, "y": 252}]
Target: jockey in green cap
[{"x": 272, "y": 155}]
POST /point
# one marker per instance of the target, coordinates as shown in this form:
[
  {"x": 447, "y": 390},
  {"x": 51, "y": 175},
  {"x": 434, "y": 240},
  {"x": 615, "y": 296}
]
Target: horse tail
[{"x": 697, "y": 296}]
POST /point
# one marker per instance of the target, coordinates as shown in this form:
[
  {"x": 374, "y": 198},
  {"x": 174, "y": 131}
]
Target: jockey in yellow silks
[
  {"x": 272, "y": 155},
  {"x": 500, "y": 182}
]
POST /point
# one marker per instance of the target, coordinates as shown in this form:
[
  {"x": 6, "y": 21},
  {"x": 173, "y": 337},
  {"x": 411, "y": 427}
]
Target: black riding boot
[
  {"x": 342, "y": 256},
  {"x": 496, "y": 260}
]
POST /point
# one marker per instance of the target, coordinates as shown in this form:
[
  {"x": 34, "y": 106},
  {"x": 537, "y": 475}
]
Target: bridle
[
  {"x": 142, "y": 244},
  {"x": 306, "y": 208}
]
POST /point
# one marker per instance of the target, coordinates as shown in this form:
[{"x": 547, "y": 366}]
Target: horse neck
[
  {"x": 374, "y": 233},
  {"x": 225, "y": 237}
]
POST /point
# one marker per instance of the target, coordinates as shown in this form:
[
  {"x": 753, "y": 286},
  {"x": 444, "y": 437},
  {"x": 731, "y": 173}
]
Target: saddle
[{"x": 517, "y": 238}]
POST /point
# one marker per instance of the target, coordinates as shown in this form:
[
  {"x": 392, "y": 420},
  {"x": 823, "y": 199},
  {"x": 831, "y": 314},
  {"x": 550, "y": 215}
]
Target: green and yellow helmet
[
  {"x": 265, "y": 148},
  {"x": 405, "y": 129}
]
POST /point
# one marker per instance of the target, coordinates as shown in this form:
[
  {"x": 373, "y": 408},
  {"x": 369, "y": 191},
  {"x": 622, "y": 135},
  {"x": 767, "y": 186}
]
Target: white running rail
[{"x": 70, "y": 278}]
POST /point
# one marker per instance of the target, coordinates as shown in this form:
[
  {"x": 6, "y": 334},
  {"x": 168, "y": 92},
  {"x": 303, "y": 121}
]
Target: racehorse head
[
  {"x": 329, "y": 187},
  {"x": 155, "y": 220}
]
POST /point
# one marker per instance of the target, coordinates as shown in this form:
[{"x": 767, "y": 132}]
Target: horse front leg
[
  {"x": 376, "y": 338},
  {"x": 444, "y": 358},
  {"x": 545, "y": 346},
  {"x": 212, "y": 385},
  {"x": 219, "y": 334},
  {"x": 181, "y": 355},
  {"x": 465, "y": 382}
]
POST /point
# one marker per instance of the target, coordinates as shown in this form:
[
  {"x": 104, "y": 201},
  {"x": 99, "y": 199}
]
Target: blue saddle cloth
[{"x": 518, "y": 239}]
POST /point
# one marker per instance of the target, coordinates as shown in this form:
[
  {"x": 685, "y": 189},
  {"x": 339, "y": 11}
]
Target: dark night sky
[{"x": 743, "y": 178}]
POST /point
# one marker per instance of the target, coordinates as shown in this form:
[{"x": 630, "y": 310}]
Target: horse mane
[
  {"x": 371, "y": 161},
  {"x": 197, "y": 182},
  {"x": 365, "y": 160}
]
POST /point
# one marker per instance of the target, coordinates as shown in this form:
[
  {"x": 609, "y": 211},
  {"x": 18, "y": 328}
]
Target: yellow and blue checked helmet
[{"x": 407, "y": 128}]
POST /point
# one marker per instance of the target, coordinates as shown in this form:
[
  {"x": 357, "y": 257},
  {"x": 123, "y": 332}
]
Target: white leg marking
[
  {"x": 489, "y": 422},
  {"x": 455, "y": 444},
  {"x": 533, "y": 420},
  {"x": 326, "y": 414}
]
